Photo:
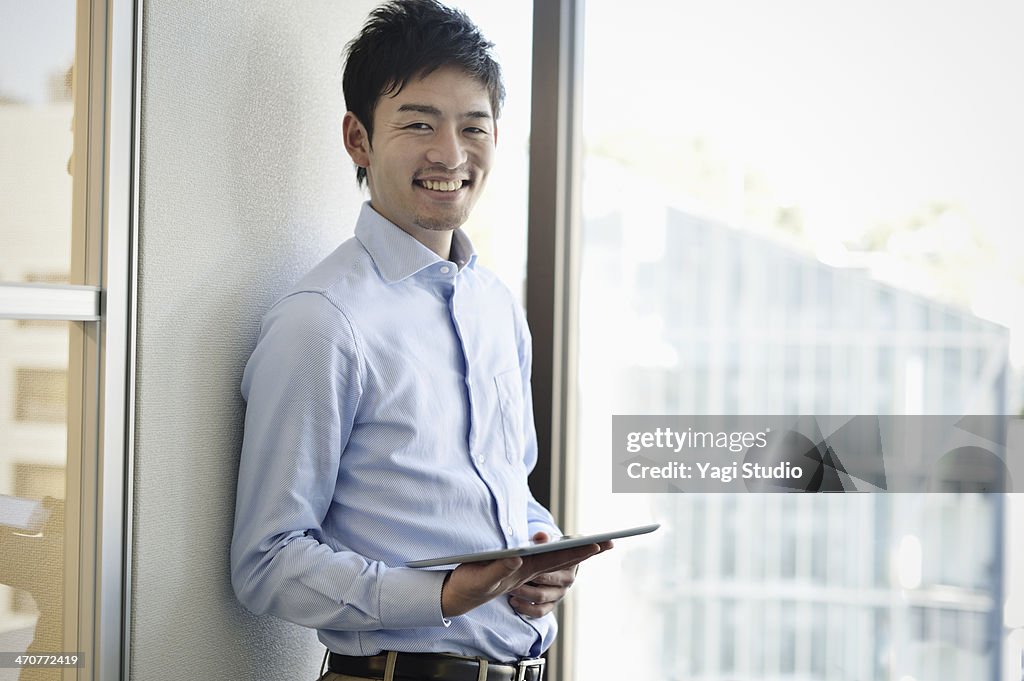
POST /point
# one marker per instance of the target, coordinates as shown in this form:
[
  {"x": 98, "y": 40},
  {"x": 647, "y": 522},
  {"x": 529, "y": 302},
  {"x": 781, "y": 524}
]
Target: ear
[
  {"x": 357, "y": 142},
  {"x": 495, "y": 134}
]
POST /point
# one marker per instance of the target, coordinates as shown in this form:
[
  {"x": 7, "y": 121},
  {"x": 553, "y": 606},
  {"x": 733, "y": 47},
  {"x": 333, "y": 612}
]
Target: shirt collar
[
  {"x": 397, "y": 254},
  {"x": 462, "y": 253}
]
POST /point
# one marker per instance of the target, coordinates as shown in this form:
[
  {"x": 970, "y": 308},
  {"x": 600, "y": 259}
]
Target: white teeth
[{"x": 441, "y": 186}]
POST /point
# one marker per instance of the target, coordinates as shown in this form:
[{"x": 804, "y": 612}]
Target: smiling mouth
[{"x": 443, "y": 185}]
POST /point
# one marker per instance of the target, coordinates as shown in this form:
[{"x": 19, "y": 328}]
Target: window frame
[
  {"x": 552, "y": 296},
  {"x": 99, "y": 306},
  {"x": 552, "y": 268}
]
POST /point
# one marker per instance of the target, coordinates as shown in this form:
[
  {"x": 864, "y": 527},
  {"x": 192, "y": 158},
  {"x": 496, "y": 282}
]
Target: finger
[
  {"x": 564, "y": 578},
  {"x": 496, "y": 571},
  {"x": 473, "y": 584},
  {"x": 524, "y": 607},
  {"x": 557, "y": 560},
  {"x": 565, "y": 571},
  {"x": 506, "y": 574},
  {"x": 539, "y": 594}
]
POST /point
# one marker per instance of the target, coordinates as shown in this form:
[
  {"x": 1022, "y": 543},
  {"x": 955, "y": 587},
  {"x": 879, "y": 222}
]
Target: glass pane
[
  {"x": 498, "y": 223},
  {"x": 801, "y": 208},
  {"x": 33, "y": 454},
  {"x": 37, "y": 46}
]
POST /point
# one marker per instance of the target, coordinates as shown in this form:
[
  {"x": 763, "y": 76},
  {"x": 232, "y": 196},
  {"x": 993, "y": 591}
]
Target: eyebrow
[{"x": 434, "y": 111}]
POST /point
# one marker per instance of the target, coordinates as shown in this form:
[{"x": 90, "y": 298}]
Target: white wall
[{"x": 245, "y": 185}]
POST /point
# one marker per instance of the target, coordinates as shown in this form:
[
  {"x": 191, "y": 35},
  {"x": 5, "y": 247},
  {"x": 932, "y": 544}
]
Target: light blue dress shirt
[{"x": 388, "y": 419}]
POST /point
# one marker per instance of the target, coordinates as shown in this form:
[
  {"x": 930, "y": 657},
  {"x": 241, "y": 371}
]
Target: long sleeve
[
  {"x": 302, "y": 386},
  {"x": 385, "y": 423}
]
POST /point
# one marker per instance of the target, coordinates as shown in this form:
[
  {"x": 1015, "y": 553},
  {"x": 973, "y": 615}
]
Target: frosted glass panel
[
  {"x": 37, "y": 46},
  {"x": 33, "y": 457},
  {"x": 801, "y": 208}
]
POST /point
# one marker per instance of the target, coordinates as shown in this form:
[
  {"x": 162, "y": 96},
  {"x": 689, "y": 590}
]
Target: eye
[
  {"x": 417, "y": 126},
  {"x": 476, "y": 131}
]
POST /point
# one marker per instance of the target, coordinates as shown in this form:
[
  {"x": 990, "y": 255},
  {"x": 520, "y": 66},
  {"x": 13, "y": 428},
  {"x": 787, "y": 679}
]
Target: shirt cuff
[{"x": 411, "y": 598}]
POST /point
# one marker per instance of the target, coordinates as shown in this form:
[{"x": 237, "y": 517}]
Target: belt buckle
[{"x": 523, "y": 667}]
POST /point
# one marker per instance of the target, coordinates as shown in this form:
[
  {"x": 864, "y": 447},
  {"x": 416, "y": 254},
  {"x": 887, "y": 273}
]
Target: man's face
[{"x": 432, "y": 147}]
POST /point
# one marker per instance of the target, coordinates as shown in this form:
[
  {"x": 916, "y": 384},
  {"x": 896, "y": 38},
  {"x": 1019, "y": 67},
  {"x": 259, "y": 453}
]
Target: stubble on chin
[{"x": 440, "y": 224}]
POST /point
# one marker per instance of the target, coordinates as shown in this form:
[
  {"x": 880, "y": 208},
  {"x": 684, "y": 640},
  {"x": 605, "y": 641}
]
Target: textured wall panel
[{"x": 245, "y": 185}]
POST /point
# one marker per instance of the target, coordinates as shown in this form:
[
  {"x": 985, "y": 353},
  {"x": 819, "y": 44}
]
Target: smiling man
[
  {"x": 432, "y": 148},
  {"x": 389, "y": 415}
]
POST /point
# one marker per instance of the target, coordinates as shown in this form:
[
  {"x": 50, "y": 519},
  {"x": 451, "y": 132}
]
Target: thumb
[
  {"x": 541, "y": 538},
  {"x": 504, "y": 567}
]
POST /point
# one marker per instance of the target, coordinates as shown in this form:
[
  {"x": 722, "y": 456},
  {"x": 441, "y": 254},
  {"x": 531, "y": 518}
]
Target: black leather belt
[{"x": 435, "y": 667}]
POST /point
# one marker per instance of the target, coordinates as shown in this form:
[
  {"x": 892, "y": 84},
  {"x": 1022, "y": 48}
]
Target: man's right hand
[{"x": 472, "y": 584}]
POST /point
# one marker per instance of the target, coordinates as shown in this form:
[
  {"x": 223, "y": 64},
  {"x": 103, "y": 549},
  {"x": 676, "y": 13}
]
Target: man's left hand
[{"x": 539, "y": 596}]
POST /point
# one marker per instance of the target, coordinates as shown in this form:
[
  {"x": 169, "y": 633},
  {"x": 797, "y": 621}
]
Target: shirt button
[
  {"x": 445, "y": 269},
  {"x": 480, "y": 460},
  {"x": 511, "y": 530}
]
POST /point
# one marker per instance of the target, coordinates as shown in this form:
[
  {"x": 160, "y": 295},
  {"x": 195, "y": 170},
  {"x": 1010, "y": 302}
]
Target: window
[
  {"x": 41, "y": 395},
  {"x": 36, "y": 188},
  {"x": 497, "y": 225},
  {"x": 798, "y": 209},
  {"x": 66, "y": 111}
]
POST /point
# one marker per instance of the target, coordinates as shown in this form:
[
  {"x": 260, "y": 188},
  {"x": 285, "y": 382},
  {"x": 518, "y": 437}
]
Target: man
[{"x": 389, "y": 415}]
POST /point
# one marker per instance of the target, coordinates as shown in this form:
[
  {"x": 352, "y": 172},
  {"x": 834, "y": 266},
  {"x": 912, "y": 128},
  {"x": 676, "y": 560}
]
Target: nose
[{"x": 447, "y": 148}]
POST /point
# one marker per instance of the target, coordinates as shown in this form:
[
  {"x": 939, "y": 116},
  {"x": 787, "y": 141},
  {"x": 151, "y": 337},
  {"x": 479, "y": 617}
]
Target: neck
[{"x": 439, "y": 241}]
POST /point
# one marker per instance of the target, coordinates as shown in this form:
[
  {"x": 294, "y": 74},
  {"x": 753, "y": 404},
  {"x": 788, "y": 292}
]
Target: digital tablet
[{"x": 566, "y": 542}]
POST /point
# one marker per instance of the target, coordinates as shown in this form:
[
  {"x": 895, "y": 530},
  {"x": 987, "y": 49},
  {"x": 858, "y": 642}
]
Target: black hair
[{"x": 407, "y": 39}]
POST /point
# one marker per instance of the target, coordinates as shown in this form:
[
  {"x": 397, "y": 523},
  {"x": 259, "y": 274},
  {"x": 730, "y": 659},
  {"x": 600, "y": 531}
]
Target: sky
[
  {"x": 857, "y": 112},
  {"x": 37, "y": 39},
  {"x": 873, "y": 103}
]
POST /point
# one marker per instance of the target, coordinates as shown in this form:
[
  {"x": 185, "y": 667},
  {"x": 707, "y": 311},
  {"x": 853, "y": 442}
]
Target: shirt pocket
[{"x": 509, "y": 385}]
